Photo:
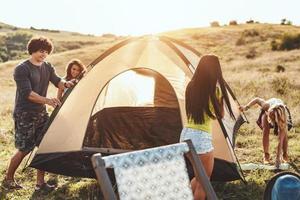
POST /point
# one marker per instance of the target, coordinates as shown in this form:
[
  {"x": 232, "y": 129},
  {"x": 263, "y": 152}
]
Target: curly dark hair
[{"x": 39, "y": 43}]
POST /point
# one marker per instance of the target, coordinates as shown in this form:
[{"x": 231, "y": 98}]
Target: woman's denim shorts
[{"x": 201, "y": 140}]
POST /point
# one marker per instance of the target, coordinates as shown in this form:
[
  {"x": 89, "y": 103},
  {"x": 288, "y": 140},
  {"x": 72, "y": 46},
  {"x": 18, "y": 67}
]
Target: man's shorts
[
  {"x": 29, "y": 129},
  {"x": 201, "y": 140}
]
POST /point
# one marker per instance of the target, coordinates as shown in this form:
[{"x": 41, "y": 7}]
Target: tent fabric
[
  {"x": 134, "y": 128},
  {"x": 133, "y": 97}
]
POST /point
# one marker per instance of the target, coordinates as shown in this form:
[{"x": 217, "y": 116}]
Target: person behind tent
[
  {"x": 274, "y": 114},
  {"x": 204, "y": 97},
  {"x": 74, "y": 69},
  {"x": 32, "y": 78}
]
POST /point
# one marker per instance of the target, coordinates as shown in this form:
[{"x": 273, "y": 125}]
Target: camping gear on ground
[
  {"x": 283, "y": 186},
  {"x": 255, "y": 166},
  {"x": 131, "y": 98}
]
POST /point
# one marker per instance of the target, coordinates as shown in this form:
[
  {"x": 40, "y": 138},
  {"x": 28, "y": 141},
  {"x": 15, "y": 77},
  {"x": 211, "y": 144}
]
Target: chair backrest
[{"x": 155, "y": 173}]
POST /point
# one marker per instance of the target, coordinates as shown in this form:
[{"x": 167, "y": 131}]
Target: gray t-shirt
[{"x": 30, "y": 77}]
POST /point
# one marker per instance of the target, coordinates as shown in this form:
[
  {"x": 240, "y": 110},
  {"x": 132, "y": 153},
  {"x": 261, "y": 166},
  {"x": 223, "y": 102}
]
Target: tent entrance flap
[
  {"x": 137, "y": 114},
  {"x": 132, "y": 128}
]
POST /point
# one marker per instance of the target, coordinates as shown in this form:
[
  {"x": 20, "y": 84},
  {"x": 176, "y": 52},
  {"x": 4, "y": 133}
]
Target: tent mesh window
[{"x": 137, "y": 109}]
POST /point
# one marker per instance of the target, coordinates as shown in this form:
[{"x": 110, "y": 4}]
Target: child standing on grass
[
  {"x": 74, "y": 69},
  {"x": 274, "y": 114}
]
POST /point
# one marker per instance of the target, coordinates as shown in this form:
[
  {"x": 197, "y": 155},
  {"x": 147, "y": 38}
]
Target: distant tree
[
  {"x": 214, "y": 24},
  {"x": 289, "y": 22},
  {"x": 283, "y": 21},
  {"x": 250, "y": 21},
  {"x": 233, "y": 22}
]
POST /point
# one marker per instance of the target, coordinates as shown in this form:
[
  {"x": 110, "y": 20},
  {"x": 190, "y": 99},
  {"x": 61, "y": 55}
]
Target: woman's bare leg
[
  {"x": 208, "y": 163},
  {"x": 265, "y": 139},
  {"x": 285, "y": 156}
]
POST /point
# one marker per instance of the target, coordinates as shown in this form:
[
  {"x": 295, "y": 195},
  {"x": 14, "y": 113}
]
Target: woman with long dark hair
[
  {"x": 74, "y": 69},
  {"x": 204, "y": 97}
]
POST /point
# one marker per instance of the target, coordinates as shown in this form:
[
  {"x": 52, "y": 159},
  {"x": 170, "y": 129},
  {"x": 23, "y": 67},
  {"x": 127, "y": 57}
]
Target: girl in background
[
  {"x": 274, "y": 114},
  {"x": 74, "y": 68}
]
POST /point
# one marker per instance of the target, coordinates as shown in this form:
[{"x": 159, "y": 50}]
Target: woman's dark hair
[
  {"x": 201, "y": 90},
  {"x": 39, "y": 43},
  {"x": 69, "y": 66}
]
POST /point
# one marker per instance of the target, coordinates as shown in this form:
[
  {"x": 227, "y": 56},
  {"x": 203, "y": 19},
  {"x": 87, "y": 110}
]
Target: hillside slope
[{"x": 249, "y": 65}]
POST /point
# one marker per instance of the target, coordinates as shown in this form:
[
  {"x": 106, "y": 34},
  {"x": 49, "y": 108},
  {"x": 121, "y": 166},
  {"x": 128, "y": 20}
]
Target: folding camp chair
[{"x": 155, "y": 173}]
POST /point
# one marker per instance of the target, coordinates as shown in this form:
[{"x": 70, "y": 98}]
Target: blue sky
[{"x": 136, "y": 17}]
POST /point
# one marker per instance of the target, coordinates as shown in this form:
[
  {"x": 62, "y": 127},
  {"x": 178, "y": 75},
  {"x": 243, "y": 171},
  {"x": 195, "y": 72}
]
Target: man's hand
[
  {"x": 70, "y": 83},
  {"x": 53, "y": 102}
]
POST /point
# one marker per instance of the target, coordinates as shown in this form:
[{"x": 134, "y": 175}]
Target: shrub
[
  {"x": 3, "y": 54},
  {"x": 44, "y": 29},
  {"x": 250, "y": 33},
  {"x": 286, "y": 42},
  {"x": 108, "y": 35},
  {"x": 13, "y": 46},
  {"x": 250, "y": 21},
  {"x": 233, "y": 22},
  {"x": 251, "y": 54},
  {"x": 246, "y": 33},
  {"x": 214, "y": 24},
  {"x": 274, "y": 45},
  {"x": 17, "y": 41},
  {"x": 280, "y": 68},
  {"x": 281, "y": 85},
  {"x": 290, "y": 41},
  {"x": 240, "y": 41}
]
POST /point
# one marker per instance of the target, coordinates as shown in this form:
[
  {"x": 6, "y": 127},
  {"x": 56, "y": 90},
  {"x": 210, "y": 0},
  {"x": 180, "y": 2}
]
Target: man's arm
[
  {"x": 36, "y": 98},
  {"x": 65, "y": 84},
  {"x": 57, "y": 81}
]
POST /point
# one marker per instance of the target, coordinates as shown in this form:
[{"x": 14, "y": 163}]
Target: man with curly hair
[{"x": 32, "y": 78}]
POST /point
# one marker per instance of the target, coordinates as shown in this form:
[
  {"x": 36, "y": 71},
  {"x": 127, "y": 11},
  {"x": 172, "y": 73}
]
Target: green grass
[{"x": 247, "y": 77}]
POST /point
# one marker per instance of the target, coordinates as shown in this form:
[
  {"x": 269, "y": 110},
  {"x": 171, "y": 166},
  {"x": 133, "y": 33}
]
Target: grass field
[{"x": 249, "y": 66}]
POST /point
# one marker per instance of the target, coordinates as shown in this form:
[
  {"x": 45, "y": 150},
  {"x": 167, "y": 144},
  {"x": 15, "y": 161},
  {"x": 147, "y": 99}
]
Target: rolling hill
[{"x": 249, "y": 65}]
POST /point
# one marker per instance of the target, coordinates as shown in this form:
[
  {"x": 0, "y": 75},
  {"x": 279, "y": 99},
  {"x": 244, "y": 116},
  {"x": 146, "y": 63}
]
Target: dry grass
[{"x": 247, "y": 77}]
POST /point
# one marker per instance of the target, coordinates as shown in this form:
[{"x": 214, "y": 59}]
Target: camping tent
[{"x": 131, "y": 98}]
